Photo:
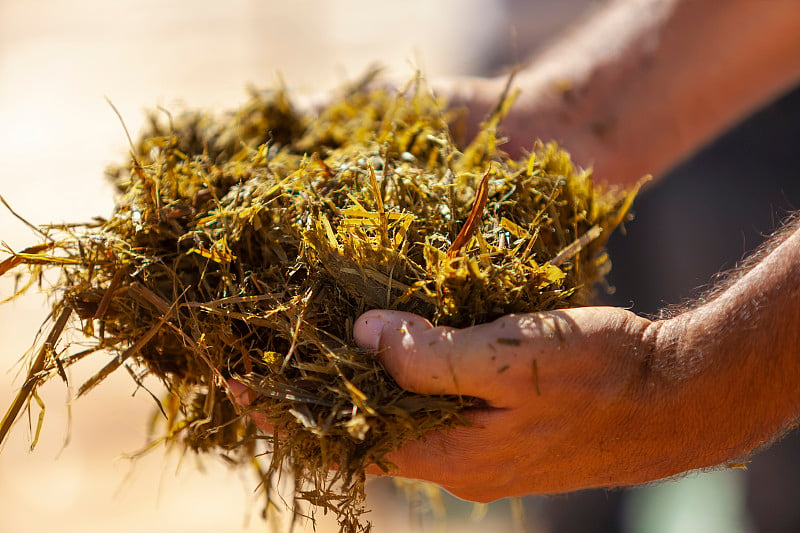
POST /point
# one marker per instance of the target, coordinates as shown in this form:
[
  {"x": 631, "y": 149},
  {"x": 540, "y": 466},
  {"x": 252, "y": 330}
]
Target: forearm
[
  {"x": 737, "y": 357},
  {"x": 643, "y": 83}
]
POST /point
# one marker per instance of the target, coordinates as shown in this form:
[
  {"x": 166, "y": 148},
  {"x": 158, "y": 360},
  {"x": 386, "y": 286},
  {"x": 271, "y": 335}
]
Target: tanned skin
[
  {"x": 642, "y": 84},
  {"x": 598, "y": 396}
]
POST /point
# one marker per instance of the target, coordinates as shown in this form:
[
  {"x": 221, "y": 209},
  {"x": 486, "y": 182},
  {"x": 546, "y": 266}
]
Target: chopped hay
[{"x": 244, "y": 246}]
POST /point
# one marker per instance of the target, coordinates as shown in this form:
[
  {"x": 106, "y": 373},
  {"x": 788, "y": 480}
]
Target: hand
[
  {"x": 597, "y": 396},
  {"x": 544, "y": 110},
  {"x": 647, "y": 98},
  {"x": 573, "y": 401}
]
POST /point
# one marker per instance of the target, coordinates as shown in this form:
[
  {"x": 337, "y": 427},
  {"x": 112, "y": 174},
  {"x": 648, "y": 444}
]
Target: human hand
[
  {"x": 544, "y": 109},
  {"x": 597, "y": 396},
  {"x": 575, "y": 399}
]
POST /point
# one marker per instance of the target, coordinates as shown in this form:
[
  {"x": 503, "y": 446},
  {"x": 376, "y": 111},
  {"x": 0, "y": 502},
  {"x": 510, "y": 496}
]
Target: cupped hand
[{"x": 571, "y": 398}]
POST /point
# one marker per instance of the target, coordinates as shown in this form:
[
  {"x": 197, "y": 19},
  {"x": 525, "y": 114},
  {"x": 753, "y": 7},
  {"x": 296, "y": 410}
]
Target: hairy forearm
[
  {"x": 737, "y": 356},
  {"x": 643, "y": 83}
]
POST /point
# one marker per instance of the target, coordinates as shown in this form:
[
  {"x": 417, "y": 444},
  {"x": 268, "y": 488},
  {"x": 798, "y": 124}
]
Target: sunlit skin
[
  {"x": 600, "y": 397},
  {"x": 642, "y": 84},
  {"x": 597, "y": 396}
]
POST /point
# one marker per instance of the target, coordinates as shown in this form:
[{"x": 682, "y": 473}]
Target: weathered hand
[
  {"x": 543, "y": 111},
  {"x": 571, "y": 402},
  {"x": 597, "y": 396},
  {"x": 577, "y": 398}
]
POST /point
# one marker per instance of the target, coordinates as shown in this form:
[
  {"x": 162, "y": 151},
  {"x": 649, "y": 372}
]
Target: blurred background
[{"x": 58, "y": 62}]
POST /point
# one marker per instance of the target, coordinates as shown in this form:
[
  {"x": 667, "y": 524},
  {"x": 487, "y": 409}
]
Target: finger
[
  {"x": 241, "y": 394},
  {"x": 244, "y": 397},
  {"x": 399, "y": 339},
  {"x": 428, "y": 360},
  {"x": 446, "y": 457},
  {"x": 501, "y": 361}
]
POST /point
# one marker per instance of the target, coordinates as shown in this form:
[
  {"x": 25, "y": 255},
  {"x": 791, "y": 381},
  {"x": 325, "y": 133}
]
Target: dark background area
[
  {"x": 702, "y": 218},
  {"x": 709, "y": 212}
]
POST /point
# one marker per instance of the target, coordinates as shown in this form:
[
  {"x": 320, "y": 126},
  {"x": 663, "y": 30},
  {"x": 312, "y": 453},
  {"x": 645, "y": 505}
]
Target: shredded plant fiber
[{"x": 244, "y": 246}]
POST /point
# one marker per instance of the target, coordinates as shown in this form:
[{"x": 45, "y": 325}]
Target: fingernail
[{"x": 367, "y": 331}]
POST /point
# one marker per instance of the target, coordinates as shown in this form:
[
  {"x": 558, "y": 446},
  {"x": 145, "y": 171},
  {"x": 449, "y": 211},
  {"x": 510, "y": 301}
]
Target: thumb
[{"x": 419, "y": 357}]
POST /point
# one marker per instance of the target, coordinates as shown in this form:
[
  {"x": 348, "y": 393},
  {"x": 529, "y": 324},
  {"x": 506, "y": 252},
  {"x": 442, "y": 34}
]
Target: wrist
[
  {"x": 725, "y": 379},
  {"x": 689, "y": 394}
]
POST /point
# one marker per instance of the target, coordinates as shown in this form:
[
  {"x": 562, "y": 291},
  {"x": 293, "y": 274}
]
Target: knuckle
[{"x": 406, "y": 371}]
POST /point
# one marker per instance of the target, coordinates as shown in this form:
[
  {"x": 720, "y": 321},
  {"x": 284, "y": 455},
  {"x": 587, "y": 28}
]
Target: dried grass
[{"x": 244, "y": 246}]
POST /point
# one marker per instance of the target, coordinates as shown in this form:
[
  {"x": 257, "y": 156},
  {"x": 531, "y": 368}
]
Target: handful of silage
[{"x": 245, "y": 246}]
